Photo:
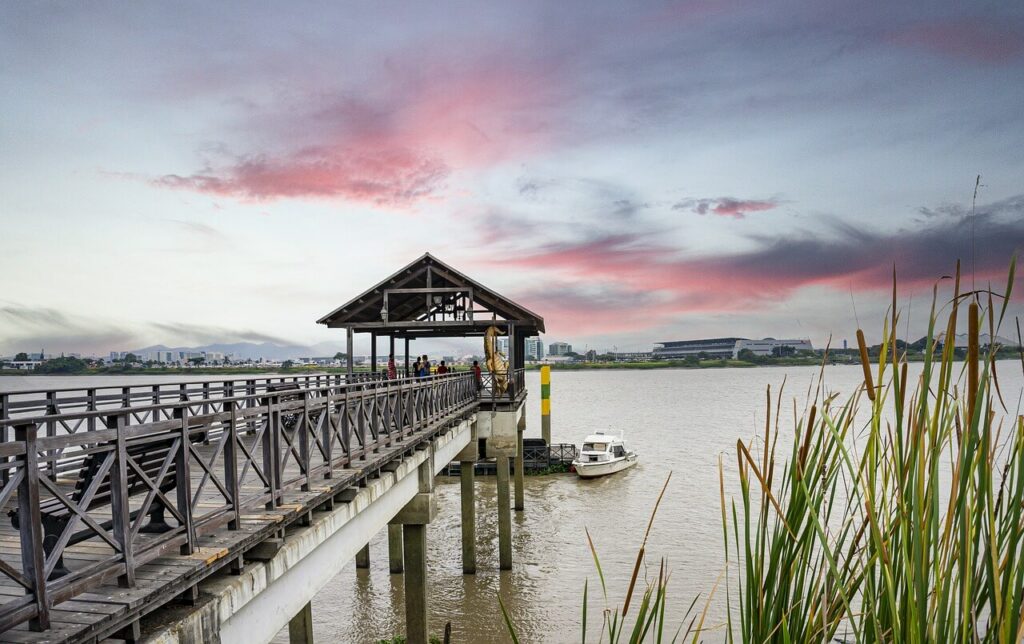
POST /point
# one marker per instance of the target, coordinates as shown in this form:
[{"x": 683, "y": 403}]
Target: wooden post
[
  {"x": 231, "y": 463},
  {"x": 351, "y": 359},
  {"x": 183, "y": 482},
  {"x": 406, "y": 356},
  {"x": 302, "y": 431},
  {"x": 4, "y": 415},
  {"x": 30, "y": 527},
  {"x": 373, "y": 352},
  {"x": 119, "y": 502},
  {"x": 51, "y": 431},
  {"x": 270, "y": 454},
  {"x": 391, "y": 347}
]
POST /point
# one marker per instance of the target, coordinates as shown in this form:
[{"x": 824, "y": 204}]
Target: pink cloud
[
  {"x": 394, "y": 145},
  {"x": 975, "y": 39},
  {"x": 386, "y": 178},
  {"x": 726, "y": 206},
  {"x": 627, "y": 282}
]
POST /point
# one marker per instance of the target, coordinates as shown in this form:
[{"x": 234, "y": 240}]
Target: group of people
[{"x": 422, "y": 368}]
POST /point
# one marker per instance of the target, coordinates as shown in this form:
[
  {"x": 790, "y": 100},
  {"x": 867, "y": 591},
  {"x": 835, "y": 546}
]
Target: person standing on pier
[
  {"x": 416, "y": 368},
  {"x": 392, "y": 369},
  {"x": 477, "y": 377},
  {"x": 442, "y": 369}
]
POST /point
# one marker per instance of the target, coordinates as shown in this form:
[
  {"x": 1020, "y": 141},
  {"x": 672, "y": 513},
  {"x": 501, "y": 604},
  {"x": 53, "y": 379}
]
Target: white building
[
  {"x": 768, "y": 346},
  {"x": 534, "y": 349}
]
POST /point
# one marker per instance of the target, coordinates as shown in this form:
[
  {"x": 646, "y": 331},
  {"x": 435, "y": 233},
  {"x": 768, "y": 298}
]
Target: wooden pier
[{"x": 122, "y": 501}]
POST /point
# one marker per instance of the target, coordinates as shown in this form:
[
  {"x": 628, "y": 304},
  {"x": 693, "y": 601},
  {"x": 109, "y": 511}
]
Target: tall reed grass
[{"x": 904, "y": 527}]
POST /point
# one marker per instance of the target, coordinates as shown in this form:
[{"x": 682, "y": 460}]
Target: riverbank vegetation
[{"x": 896, "y": 514}]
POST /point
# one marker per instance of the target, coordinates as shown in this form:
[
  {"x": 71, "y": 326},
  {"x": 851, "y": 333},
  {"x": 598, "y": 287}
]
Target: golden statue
[{"x": 497, "y": 363}]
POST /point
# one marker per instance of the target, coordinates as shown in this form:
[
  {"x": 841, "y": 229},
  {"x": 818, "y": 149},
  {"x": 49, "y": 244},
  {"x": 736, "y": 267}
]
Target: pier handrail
[{"x": 259, "y": 445}]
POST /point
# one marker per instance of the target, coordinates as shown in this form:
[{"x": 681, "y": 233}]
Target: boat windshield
[{"x": 595, "y": 447}]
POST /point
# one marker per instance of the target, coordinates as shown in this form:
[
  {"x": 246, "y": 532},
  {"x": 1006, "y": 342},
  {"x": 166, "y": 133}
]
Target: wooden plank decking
[{"x": 103, "y": 608}]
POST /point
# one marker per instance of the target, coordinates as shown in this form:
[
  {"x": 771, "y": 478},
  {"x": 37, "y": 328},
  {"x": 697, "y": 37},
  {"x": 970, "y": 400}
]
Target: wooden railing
[
  {"x": 515, "y": 389},
  {"x": 235, "y": 445}
]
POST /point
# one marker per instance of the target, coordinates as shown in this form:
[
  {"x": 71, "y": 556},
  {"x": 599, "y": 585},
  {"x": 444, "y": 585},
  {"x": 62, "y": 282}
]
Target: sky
[{"x": 185, "y": 173}]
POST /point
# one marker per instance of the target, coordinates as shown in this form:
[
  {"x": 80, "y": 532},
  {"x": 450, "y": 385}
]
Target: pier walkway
[
  {"x": 237, "y": 464},
  {"x": 215, "y": 511}
]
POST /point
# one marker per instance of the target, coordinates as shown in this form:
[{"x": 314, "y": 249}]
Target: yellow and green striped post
[{"x": 545, "y": 403}]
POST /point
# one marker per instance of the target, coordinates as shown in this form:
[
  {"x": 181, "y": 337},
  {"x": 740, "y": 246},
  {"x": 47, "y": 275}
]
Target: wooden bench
[{"x": 149, "y": 457}]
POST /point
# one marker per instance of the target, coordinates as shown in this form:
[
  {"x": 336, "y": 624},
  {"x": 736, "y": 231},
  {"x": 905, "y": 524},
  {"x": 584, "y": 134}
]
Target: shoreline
[{"x": 584, "y": 366}]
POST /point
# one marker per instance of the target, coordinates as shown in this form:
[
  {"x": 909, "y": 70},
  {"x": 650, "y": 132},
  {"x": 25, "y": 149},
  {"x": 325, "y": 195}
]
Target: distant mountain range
[{"x": 253, "y": 350}]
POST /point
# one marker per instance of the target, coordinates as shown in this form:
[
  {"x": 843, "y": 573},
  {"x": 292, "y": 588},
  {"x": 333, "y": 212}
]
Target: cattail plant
[
  {"x": 898, "y": 521},
  {"x": 910, "y": 529}
]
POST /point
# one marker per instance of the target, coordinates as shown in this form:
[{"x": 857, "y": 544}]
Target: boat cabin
[{"x": 601, "y": 447}]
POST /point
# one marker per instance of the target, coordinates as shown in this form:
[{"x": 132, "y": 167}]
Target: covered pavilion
[{"x": 430, "y": 299}]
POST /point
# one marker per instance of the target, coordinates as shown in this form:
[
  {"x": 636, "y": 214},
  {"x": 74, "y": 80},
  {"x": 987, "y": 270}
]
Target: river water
[{"x": 680, "y": 421}]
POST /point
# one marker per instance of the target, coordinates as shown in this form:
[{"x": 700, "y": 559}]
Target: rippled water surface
[
  {"x": 678, "y": 420},
  {"x": 681, "y": 421}
]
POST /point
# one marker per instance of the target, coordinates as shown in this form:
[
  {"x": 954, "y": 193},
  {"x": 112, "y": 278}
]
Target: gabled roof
[{"x": 405, "y": 310}]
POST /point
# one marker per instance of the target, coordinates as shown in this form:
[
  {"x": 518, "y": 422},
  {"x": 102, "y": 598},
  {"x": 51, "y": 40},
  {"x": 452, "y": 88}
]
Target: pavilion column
[
  {"x": 373, "y": 353},
  {"x": 407, "y": 356},
  {"x": 351, "y": 359}
]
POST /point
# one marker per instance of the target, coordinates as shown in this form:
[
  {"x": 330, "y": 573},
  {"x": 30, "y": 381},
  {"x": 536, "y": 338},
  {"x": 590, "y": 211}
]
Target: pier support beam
[
  {"x": 300, "y": 628},
  {"x": 467, "y": 476},
  {"x": 504, "y": 514},
  {"x": 520, "y": 482},
  {"x": 363, "y": 557},
  {"x": 395, "y": 548},
  {"x": 414, "y": 539},
  {"x": 414, "y": 518}
]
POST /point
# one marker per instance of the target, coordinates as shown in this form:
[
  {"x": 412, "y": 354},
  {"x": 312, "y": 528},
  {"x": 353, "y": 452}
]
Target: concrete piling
[
  {"x": 395, "y": 558},
  {"x": 519, "y": 474},
  {"x": 414, "y": 539},
  {"x": 363, "y": 557},
  {"x": 467, "y": 475},
  {"x": 300, "y": 628},
  {"x": 504, "y": 515}
]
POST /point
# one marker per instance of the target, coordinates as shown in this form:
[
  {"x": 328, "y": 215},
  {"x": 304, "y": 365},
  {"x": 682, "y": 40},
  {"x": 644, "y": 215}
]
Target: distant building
[
  {"x": 559, "y": 348},
  {"x": 768, "y": 346},
  {"x": 591, "y": 356},
  {"x": 631, "y": 356},
  {"x": 25, "y": 365},
  {"x": 534, "y": 349},
  {"x": 682, "y": 349},
  {"x": 503, "y": 345},
  {"x": 724, "y": 347}
]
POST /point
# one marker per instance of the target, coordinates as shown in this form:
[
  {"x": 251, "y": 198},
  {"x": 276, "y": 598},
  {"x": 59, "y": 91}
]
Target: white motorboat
[{"x": 603, "y": 454}]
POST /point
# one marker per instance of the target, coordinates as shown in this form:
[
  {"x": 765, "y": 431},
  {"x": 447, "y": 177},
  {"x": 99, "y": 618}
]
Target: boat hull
[{"x": 604, "y": 468}]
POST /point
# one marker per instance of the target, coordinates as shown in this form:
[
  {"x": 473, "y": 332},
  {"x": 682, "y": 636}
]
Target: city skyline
[{"x": 632, "y": 173}]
